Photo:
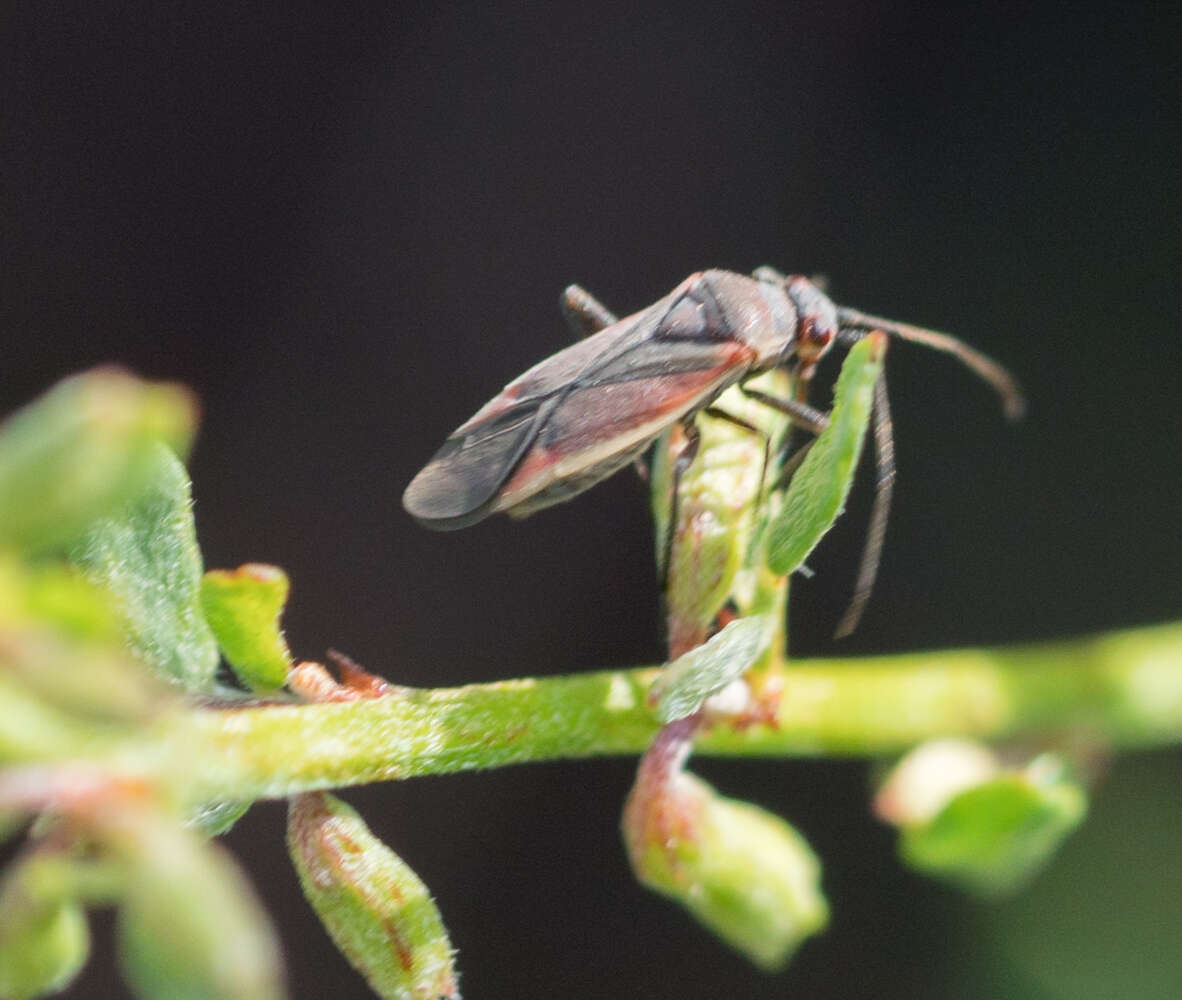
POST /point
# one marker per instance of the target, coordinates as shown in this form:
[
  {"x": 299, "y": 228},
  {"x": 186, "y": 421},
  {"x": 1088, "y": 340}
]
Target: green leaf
[
  {"x": 373, "y": 906},
  {"x": 190, "y": 927},
  {"x": 243, "y": 607},
  {"x": 81, "y": 450},
  {"x": 817, "y": 493},
  {"x": 212, "y": 819},
  {"x": 992, "y": 839},
  {"x": 690, "y": 679},
  {"x": 146, "y": 555}
]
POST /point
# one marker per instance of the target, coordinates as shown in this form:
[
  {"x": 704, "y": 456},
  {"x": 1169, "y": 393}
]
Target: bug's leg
[
  {"x": 855, "y": 325},
  {"x": 583, "y": 312},
  {"x": 763, "y": 435},
  {"x": 684, "y": 460},
  {"x": 791, "y": 464},
  {"x": 798, "y": 411},
  {"x": 884, "y": 453},
  {"x": 807, "y": 418}
]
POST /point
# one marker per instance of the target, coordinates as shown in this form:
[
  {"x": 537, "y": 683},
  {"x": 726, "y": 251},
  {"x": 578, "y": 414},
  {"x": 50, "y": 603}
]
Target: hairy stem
[{"x": 1122, "y": 689}]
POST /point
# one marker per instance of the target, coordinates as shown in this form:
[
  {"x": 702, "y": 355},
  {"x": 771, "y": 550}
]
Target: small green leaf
[
  {"x": 212, "y": 819},
  {"x": 44, "y": 937},
  {"x": 243, "y": 607},
  {"x": 83, "y": 449},
  {"x": 146, "y": 555},
  {"x": 690, "y": 679},
  {"x": 992, "y": 839},
  {"x": 817, "y": 493},
  {"x": 373, "y": 906},
  {"x": 743, "y": 872},
  {"x": 190, "y": 927}
]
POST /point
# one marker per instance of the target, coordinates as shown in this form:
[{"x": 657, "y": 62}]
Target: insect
[{"x": 582, "y": 414}]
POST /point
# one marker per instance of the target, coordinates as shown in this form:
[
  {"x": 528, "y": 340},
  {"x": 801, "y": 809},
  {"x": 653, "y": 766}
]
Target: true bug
[{"x": 587, "y": 411}]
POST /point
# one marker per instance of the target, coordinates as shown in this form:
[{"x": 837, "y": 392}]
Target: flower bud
[
  {"x": 743, "y": 872},
  {"x": 374, "y": 907}
]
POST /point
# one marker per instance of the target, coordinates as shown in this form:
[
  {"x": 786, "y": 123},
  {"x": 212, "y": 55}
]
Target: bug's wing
[
  {"x": 574, "y": 418},
  {"x": 600, "y": 426},
  {"x": 457, "y": 486}
]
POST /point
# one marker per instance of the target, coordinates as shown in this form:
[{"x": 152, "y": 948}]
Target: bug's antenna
[
  {"x": 857, "y": 324},
  {"x": 884, "y": 453}
]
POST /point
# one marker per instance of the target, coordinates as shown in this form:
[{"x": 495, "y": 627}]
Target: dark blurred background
[{"x": 346, "y": 226}]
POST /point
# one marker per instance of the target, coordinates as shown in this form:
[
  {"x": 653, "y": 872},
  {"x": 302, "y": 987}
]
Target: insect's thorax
[{"x": 759, "y": 314}]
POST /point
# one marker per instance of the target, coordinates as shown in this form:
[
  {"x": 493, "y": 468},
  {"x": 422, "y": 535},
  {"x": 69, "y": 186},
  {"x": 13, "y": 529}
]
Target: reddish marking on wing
[
  {"x": 595, "y": 416},
  {"x": 532, "y": 467}
]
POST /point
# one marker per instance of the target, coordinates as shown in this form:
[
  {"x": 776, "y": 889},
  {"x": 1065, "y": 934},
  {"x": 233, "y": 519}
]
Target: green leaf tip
[
  {"x": 146, "y": 556},
  {"x": 372, "y": 904},
  {"x": 243, "y": 607},
  {"x": 817, "y": 494},
  {"x": 81, "y": 450},
  {"x": 692, "y": 678}
]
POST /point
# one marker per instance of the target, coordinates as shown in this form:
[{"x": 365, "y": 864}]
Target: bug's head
[{"x": 816, "y": 319}]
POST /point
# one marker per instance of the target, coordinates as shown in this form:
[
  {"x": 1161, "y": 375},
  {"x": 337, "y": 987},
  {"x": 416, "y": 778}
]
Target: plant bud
[
  {"x": 374, "y": 907},
  {"x": 744, "y": 873}
]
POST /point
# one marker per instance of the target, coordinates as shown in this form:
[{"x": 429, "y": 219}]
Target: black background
[{"x": 346, "y": 226}]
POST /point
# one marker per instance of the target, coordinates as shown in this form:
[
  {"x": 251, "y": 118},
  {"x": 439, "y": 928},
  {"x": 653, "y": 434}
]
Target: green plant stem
[{"x": 1122, "y": 689}]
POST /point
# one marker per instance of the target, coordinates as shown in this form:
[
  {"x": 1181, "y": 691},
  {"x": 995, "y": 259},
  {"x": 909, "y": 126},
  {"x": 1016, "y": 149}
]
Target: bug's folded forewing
[
  {"x": 598, "y": 428},
  {"x": 454, "y": 488},
  {"x": 578, "y": 416},
  {"x": 458, "y": 486}
]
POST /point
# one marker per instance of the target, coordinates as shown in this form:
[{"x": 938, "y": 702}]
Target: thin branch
[{"x": 1121, "y": 688}]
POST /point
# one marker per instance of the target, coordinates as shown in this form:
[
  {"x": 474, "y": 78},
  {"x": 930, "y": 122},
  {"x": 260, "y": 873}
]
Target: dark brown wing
[{"x": 577, "y": 411}]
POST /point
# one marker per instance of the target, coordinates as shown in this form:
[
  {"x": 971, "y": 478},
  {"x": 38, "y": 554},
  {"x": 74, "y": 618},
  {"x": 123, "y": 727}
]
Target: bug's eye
[{"x": 813, "y": 338}]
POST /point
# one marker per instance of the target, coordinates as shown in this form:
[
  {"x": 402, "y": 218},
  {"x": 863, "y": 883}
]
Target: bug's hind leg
[
  {"x": 584, "y": 313},
  {"x": 800, "y": 413}
]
